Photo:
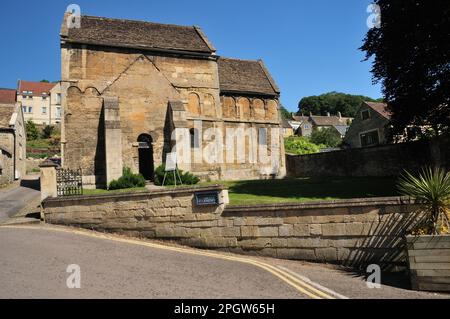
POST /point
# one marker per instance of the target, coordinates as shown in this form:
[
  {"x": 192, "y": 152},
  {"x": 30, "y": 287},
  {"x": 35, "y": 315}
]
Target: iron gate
[{"x": 69, "y": 182}]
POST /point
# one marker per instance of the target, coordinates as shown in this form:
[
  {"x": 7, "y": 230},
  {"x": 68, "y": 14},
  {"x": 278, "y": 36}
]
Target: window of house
[
  {"x": 307, "y": 127},
  {"x": 58, "y": 99},
  {"x": 44, "y": 110},
  {"x": 195, "y": 138},
  {"x": 370, "y": 138},
  {"x": 24, "y": 109},
  {"x": 44, "y": 98},
  {"x": 30, "y": 109},
  {"x": 262, "y": 136},
  {"x": 58, "y": 112},
  {"x": 365, "y": 115}
]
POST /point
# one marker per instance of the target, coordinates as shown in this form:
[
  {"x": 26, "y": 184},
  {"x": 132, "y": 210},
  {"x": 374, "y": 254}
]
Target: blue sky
[{"x": 310, "y": 47}]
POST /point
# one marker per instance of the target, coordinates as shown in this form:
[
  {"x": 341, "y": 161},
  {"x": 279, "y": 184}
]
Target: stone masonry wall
[
  {"x": 386, "y": 160},
  {"x": 350, "y": 232}
]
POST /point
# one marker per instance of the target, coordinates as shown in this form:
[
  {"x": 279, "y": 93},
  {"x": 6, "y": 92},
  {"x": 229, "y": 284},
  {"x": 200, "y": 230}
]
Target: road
[
  {"x": 14, "y": 199},
  {"x": 34, "y": 260}
]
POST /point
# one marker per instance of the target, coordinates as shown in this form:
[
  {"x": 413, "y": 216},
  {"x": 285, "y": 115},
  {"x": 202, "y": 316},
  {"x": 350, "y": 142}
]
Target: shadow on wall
[
  {"x": 100, "y": 156},
  {"x": 386, "y": 247},
  {"x": 31, "y": 183}
]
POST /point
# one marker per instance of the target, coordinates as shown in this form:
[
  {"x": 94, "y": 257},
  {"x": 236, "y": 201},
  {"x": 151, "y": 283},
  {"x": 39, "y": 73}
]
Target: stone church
[{"x": 127, "y": 85}]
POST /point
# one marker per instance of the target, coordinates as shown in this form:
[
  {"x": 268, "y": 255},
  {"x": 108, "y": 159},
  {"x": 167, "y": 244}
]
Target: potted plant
[{"x": 428, "y": 245}]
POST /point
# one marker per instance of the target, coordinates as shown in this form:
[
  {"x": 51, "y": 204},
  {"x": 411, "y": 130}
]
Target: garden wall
[
  {"x": 350, "y": 232},
  {"x": 385, "y": 160}
]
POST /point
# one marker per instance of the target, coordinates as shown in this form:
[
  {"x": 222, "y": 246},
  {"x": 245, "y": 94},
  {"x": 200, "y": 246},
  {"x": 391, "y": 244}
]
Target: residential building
[
  {"x": 12, "y": 138},
  {"x": 288, "y": 130},
  {"x": 39, "y": 102},
  {"x": 305, "y": 125},
  {"x": 369, "y": 126},
  {"x": 128, "y": 85}
]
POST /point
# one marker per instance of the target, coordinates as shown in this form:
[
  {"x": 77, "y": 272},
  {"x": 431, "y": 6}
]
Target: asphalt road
[
  {"x": 14, "y": 199},
  {"x": 33, "y": 263}
]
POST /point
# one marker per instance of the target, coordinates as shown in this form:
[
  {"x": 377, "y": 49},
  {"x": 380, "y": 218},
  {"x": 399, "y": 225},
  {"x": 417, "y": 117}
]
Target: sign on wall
[{"x": 207, "y": 198}]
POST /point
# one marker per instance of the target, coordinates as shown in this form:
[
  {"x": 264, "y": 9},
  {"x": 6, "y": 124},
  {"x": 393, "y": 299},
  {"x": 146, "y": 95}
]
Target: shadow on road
[{"x": 31, "y": 183}]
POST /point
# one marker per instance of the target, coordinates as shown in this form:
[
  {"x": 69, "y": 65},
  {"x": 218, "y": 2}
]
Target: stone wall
[
  {"x": 386, "y": 160},
  {"x": 350, "y": 232}
]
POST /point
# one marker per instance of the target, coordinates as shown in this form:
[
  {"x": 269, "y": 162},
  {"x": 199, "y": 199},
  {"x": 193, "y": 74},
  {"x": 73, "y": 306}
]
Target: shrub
[
  {"x": 327, "y": 136},
  {"x": 47, "y": 131},
  {"x": 128, "y": 180},
  {"x": 301, "y": 146},
  {"x": 432, "y": 189},
  {"x": 32, "y": 131},
  {"x": 186, "y": 177}
]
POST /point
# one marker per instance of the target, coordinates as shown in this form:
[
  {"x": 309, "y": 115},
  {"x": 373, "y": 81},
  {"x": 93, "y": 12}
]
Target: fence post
[{"x": 48, "y": 179}]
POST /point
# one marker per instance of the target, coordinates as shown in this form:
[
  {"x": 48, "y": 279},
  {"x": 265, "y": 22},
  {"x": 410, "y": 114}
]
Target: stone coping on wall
[
  {"x": 55, "y": 201},
  {"x": 353, "y": 202}
]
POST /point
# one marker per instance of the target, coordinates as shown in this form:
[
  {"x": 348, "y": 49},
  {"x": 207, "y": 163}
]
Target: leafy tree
[
  {"x": 333, "y": 102},
  {"x": 45, "y": 81},
  {"x": 411, "y": 51},
  {"x": 32, "y": 131},
  {"x": 285, "y": 114},
  {"x": 301, "y": 146},
  {"x": 47, "y": 131},
  {"x": 327, "y": 136}
]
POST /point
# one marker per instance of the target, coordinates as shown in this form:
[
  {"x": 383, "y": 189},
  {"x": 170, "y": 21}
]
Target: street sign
[{"x": 207, "y": 199}]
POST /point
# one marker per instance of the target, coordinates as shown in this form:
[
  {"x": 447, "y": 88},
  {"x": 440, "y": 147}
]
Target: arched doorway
[{"x": 146, "y": 164}]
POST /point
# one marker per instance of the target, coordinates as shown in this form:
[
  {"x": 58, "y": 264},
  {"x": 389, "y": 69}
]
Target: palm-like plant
[{"x": 432, "y": 189}]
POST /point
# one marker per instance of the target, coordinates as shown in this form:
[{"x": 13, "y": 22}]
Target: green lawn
[{"x": 307, "y": 189}]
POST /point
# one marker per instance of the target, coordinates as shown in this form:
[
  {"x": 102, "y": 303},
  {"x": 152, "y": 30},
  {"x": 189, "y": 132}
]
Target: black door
[{"x": 146, "y": 165}]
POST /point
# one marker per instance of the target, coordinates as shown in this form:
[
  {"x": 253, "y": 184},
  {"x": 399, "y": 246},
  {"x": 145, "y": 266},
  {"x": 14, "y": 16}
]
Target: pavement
[
  {"x": 15, "y": 199},
  {"x": 35, "y": 260}
]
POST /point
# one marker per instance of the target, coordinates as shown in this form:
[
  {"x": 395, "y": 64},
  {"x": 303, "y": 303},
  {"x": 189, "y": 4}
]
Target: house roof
[
  {"x": 328, "y": 120},
  {"x": 7, "y": 96},
  {"x": 380, "y": 108},
  {"x": 246, "y": 76},
  {"x": 36, "y": 87},
  {"x": 300, "y": 118},
  {"x": 137, "y": 34},
  {"x": 6, "y": 112}
]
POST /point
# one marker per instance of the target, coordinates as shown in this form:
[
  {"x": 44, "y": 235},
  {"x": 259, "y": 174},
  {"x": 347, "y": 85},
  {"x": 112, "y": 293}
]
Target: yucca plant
[{"x": 431, "y": 188}]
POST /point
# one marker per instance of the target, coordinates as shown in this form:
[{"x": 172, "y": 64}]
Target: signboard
[
  {"x": 171, "y": 162},
  {"x": 143, "y": 145},
  {"x": 207, "y": 199}
]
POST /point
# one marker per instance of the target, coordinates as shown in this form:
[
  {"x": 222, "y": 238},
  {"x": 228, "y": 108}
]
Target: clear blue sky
[{"x": 310, "y": 47}]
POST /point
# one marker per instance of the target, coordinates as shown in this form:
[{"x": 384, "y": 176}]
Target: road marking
[
  {"x": 305, "y": 288},
  {"x": 315, "y": 284}
]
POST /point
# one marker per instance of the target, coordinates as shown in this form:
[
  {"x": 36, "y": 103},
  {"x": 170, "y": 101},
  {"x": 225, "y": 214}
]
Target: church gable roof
[
  {"x": 245, "y": 76},
  {"x": 137, "y": 34}
]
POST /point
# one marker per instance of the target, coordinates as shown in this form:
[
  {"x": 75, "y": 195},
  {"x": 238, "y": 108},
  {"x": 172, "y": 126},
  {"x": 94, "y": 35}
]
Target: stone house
[
  {"x": 40, "y": 102},
  {"x": 12, "y": 138},
  {"x": 128, "y": 85},
  {"x": 369, "y": 126},
  {"x": 305, "y": 125}
]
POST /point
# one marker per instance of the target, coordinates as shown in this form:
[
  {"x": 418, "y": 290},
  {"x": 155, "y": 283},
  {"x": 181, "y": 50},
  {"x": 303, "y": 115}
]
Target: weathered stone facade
[
  {"x": 157, "y": 87},
  {"x": 354, "y": 232},
  {"x": 12, "y": 143}
]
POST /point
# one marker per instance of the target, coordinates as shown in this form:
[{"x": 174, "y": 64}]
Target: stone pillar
[
  {"x": 48, "y": 179},
  {"x": 113, "y": 139}
]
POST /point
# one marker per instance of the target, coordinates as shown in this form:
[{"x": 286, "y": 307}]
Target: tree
[
  {"x": 45, "y": 81},
  {"x": 333, "y": 102},
  {"x": 32, "y": 131},
  {"x": 411, "y": 51},
  {"x": 301, "y": 146},
  {"x": 327, "y": 136},
  {"x": 285, "y": 114},
  {"x": 47, "y": 131}
]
